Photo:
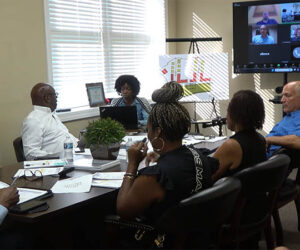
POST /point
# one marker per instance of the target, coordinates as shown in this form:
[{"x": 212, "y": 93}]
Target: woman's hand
[
  {"x": 151, "y": 157},
  {"x": 136, "y": 153}
]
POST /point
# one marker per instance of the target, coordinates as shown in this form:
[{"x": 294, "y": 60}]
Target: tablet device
[
  {"x": 95, "y": 94},
  {"x": 27, "y": 206}
]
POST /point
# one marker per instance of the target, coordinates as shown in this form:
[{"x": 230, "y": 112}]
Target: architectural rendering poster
[{"x": 203, "y": 76}]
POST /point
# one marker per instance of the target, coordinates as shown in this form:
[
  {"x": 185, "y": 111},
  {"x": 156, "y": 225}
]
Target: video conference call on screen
[{"x": 266, "y": 36}]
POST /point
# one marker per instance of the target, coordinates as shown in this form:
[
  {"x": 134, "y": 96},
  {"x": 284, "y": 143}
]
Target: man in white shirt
[{"x": 43, "y": 134}]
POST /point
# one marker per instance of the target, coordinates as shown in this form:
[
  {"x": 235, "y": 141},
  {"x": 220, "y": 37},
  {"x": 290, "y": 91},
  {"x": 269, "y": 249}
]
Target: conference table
[
  {"x": 64, "y": 207},
  {"x": 64, "y": 202}
]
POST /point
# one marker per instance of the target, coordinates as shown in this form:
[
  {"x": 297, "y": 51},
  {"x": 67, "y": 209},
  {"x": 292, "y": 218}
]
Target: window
[{"x": 99, "y": 40}]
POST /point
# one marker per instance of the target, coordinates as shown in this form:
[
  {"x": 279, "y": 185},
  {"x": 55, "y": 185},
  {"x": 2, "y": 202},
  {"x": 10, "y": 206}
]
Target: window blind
[{"x": 99, "y": 40}]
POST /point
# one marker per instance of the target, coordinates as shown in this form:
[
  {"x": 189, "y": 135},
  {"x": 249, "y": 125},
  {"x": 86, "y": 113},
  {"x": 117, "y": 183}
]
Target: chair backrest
[
  {"x": 265, "y": 176},
  {"x": 205, "y": 211},
  {"x": 260, "y": 186},
  {"x": 18, "y": 146}
]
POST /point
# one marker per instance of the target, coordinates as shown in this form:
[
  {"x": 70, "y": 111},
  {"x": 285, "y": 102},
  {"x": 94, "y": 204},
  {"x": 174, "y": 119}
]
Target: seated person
[
  {"x": 128, "y": 86},
  {"x": 263, "y": 38},
  {"x": 43, "y": 134},
  {"x": 8, "y": 196},
  {"x": 176, "y": 173},
  {"x": 246, "y": 147},
  {"x": 296, "y": 38},
  {"x": 266, "y": 19},
  {"x": 286, "y": 133}
]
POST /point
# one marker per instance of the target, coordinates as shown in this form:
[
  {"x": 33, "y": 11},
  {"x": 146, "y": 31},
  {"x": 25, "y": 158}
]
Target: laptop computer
[{"x": 126, "y": 115}]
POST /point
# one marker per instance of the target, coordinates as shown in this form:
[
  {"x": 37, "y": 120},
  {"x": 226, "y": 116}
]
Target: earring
[{"x": 162, "y": 141}]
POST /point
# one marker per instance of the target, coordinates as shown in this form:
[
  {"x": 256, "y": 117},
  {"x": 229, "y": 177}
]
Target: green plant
[{"x": 104, "y": 131}]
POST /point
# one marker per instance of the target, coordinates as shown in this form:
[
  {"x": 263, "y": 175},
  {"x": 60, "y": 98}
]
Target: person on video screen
[
  {"x": 263, "y": 37},
  {"x": 296, "y": 38},
  {"x": 266, "y": 19}
]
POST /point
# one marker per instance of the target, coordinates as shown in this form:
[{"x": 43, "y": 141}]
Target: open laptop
[{"x": 126, "y": 115}]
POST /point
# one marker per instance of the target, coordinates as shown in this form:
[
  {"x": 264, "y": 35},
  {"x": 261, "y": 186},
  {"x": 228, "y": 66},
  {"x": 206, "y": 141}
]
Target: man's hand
[
  {"x": 268, "y": 144},
  {"x": 9, "y": 196}
]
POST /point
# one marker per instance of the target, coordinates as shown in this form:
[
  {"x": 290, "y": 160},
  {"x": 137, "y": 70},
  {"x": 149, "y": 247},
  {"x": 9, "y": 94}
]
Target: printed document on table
[
  {"x": 80, "y": 184},
  {"x": 25, "y": 194},
  {"x": 44, "y": 171},
  {"x": 45, "y": 163},
  {"x": 107, "y": 183},
  {"x": 109, "y": 176},
  {"x": 87, "y": 151}
]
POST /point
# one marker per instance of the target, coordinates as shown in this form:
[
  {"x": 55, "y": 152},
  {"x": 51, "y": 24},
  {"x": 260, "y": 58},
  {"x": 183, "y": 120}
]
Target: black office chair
[
  {"x": 260, "y": 186},
  {"x": 290, "y": 191},
  {"x": 202, "y": 213},
  {"x": 18, "y": 146}
]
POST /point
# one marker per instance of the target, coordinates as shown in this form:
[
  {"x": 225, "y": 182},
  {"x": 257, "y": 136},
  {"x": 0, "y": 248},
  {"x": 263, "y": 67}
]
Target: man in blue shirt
[
  {"x": 263, "y": 38},
  {"x": 266, "y": 19},
  {"x": 286, "y": 133}
]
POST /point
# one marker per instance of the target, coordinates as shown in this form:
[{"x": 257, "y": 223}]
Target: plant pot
[{"x": 105, "y": 152}]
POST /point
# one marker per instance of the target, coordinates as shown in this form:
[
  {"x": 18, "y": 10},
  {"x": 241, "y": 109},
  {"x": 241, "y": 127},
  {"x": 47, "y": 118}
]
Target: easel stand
[{"x": 193, "y": 47}]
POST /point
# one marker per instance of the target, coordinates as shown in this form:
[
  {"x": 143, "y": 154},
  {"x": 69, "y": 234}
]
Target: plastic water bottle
[
  {"x": 128, "y": 144},
  {"x": 68, "y": 148}
]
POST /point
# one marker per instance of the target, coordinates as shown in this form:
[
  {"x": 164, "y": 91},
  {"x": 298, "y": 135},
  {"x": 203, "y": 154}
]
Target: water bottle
[
  {"x": 128, "y": 144},
  {"x": 68, "y": 148}
]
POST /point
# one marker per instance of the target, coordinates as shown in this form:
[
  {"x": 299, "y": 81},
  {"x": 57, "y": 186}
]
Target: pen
[
  {"x": 28, "y": 165},
  {"x": 15, "y": 180}
]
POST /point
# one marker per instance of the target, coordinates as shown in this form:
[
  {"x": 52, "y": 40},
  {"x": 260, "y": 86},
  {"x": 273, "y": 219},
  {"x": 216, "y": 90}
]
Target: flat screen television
[{"x": 266, "y": 36}]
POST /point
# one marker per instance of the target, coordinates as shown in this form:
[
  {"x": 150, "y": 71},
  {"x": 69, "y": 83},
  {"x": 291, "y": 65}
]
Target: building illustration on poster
[{"x": 203, "y": 76}]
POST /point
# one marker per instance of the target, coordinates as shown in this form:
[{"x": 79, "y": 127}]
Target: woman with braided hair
[{"x": 179, "y": 170}]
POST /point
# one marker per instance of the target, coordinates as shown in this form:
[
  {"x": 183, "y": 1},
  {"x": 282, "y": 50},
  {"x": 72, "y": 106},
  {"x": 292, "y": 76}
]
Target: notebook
[{"x": 126, "y": 115}]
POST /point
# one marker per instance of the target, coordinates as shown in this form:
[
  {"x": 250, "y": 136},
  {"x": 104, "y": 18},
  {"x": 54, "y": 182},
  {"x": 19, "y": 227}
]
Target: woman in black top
[
  {"x": 176, "y": 175},
  {"x": 245, "y": 114}
]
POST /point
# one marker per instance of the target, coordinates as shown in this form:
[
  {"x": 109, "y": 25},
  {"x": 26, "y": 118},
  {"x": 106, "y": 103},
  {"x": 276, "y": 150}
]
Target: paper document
[
  {"x": 44, "y": 163},
  {"x": 27, "y": 194},
  {"x": 44, "y": 171},
  {"x": 87, "y": 151},
  {"x": 109, "y": 176},
  {"x": 107, "y": 183},
  {"x": 94, "y": 165},
  {"x": 80, "y": 184}
]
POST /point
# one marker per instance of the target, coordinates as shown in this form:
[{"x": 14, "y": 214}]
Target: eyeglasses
[
  {"x": 32, "y": 175},
  {"x": 54, "y": 94}
]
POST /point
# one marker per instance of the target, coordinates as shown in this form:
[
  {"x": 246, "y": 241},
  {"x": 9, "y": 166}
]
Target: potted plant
[{"x": 104, "y": 136}]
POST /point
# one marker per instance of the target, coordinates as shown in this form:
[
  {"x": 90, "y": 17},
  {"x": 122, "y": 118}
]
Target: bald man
[
  {"x": 43, "y": 133},
  {"x": 286, "y": 133}
]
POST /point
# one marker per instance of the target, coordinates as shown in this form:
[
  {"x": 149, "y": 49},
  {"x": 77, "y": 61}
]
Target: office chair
[
  {"x": 18, "y": 146},
  {"x": 260, "y": 186},
  {"x": 202, "y": 214},
  {"x": 290, "y": 191}
]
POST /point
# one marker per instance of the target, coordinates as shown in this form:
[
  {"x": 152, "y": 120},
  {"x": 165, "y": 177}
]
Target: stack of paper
[
  {"x": 45, "y": 163},
  {"x": 108, "y": 179},
  {"x": 26, "y": 194}
]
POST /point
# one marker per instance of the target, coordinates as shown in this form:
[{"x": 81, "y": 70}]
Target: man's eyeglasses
[{"x": 54, "y": 94}]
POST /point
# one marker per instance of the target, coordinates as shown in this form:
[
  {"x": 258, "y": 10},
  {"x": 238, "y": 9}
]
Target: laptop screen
[{"x": 126, "y": 115}]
